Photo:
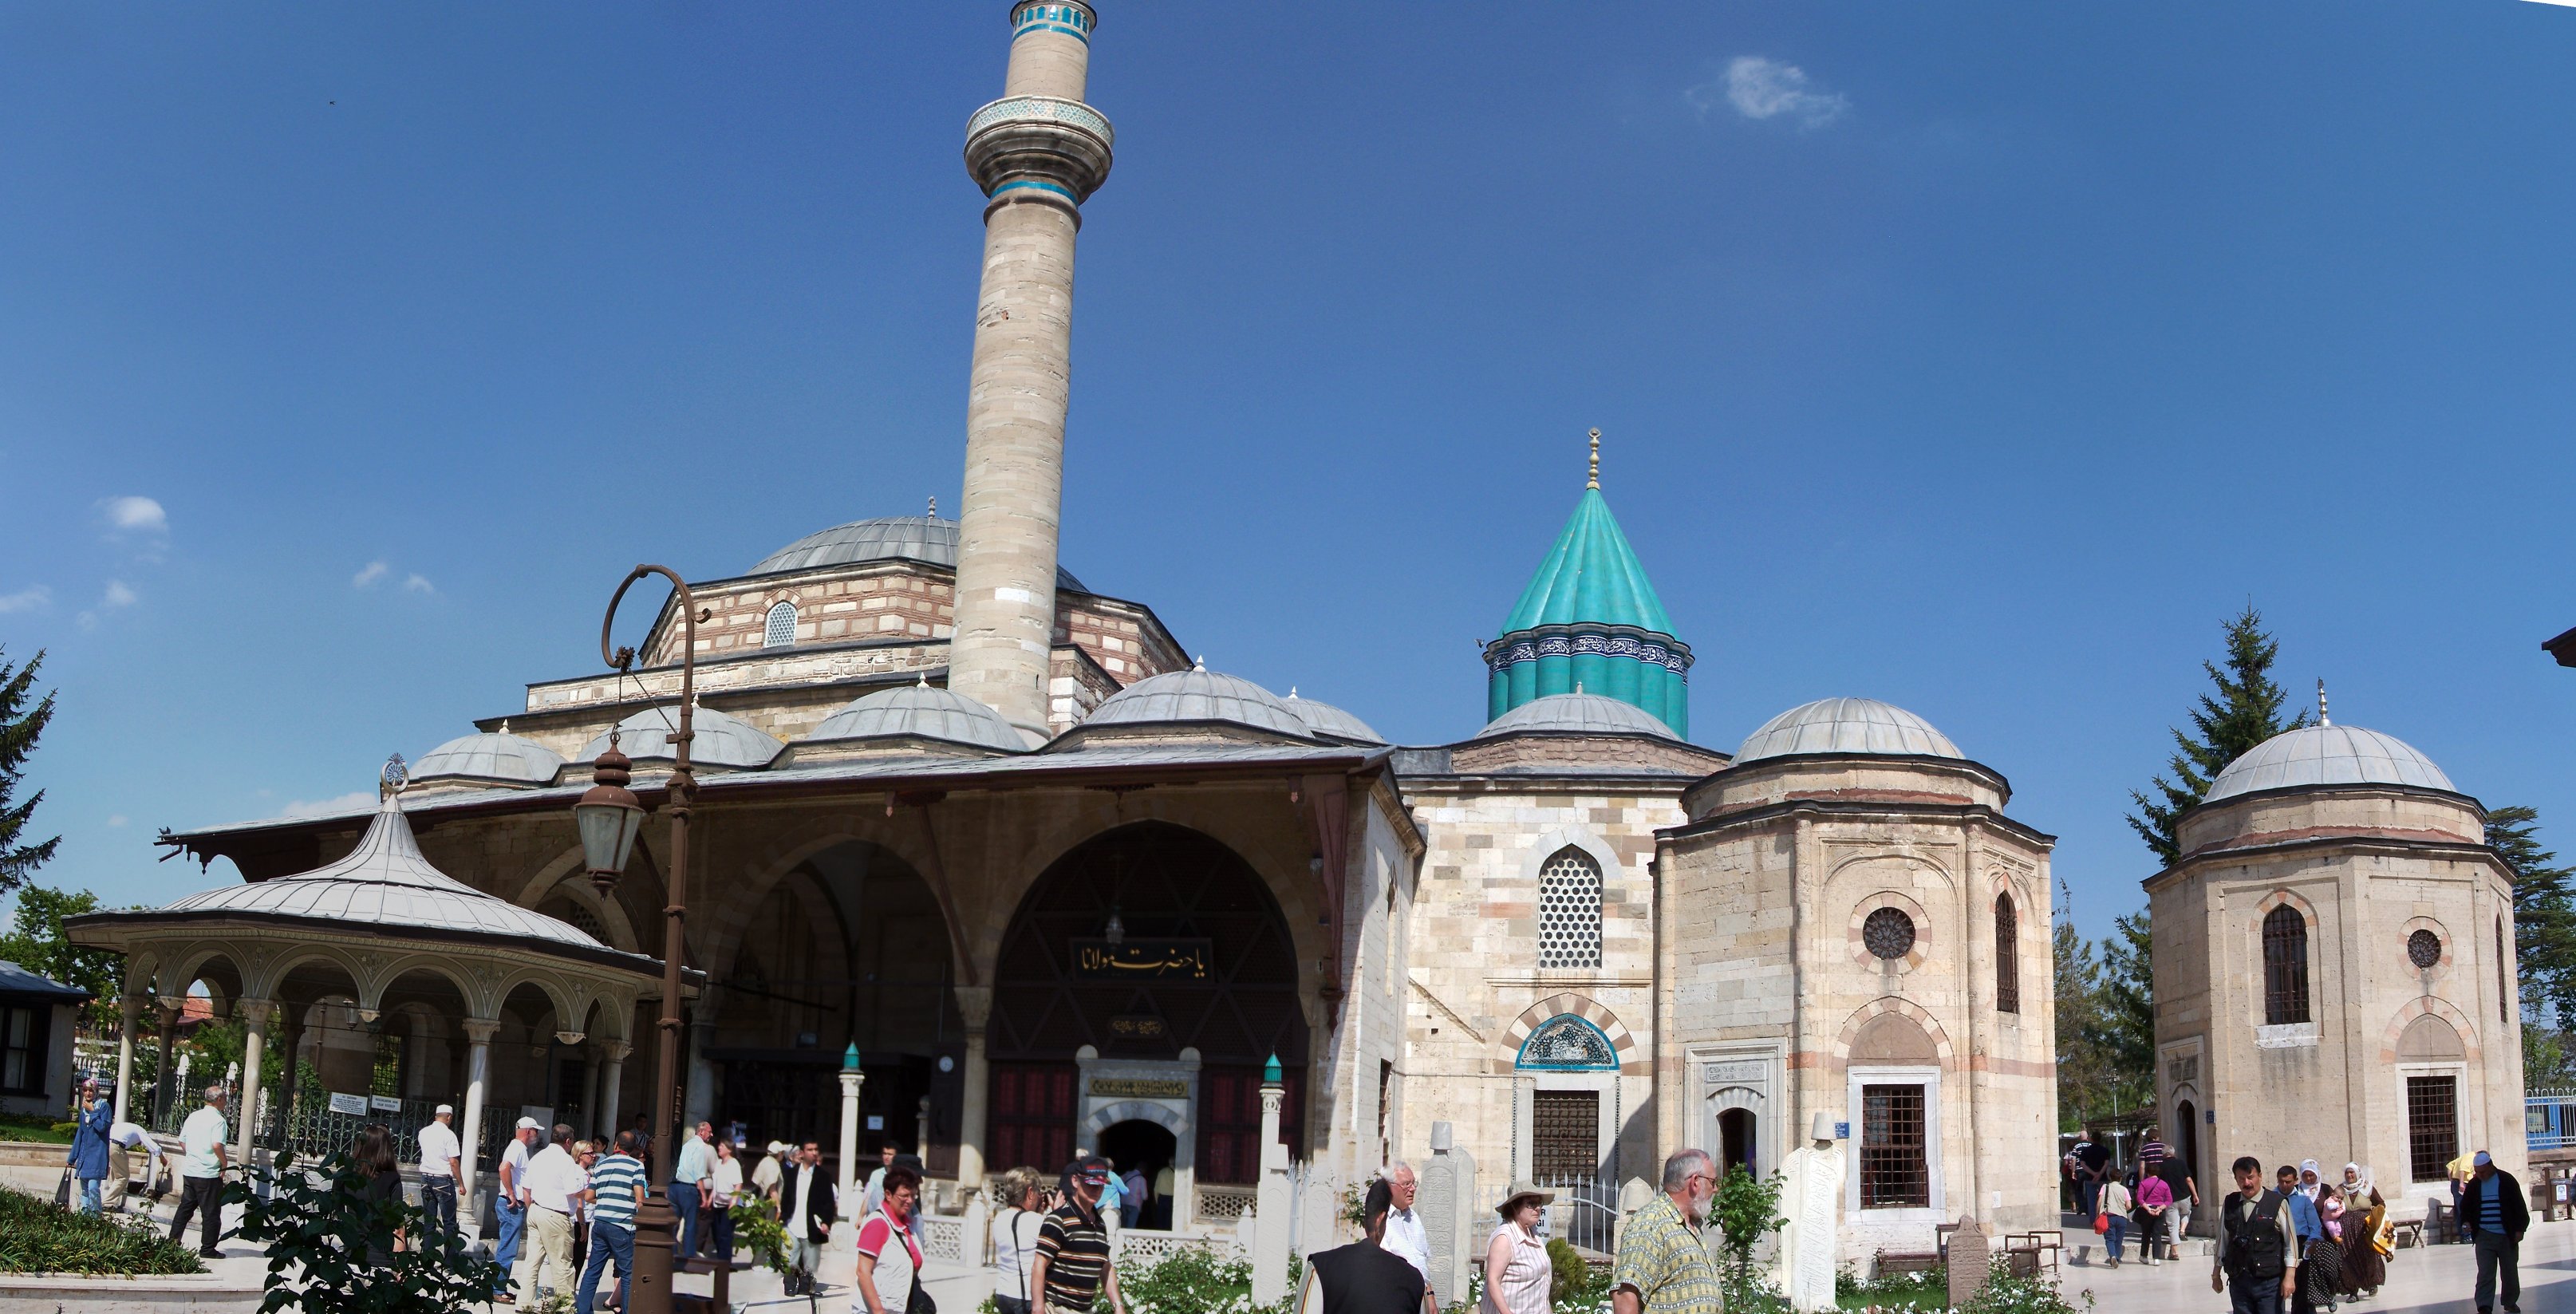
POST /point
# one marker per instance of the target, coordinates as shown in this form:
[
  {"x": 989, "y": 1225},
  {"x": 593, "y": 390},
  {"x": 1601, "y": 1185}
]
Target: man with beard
[{"x": 1664, "y": 1266}]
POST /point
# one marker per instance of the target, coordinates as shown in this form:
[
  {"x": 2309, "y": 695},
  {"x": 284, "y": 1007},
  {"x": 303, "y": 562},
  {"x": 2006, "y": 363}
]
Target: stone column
[
  {"x": 130, "y": 1009},
  {"x": 478, "y": 1081},
  {"x": 1037, "y": 153},
  {"x": 851, "y": 1080},
  {"x": 975, "y": 1004},
  {"x": 166, "y": 1084},
  {"x": 612, "y": 1077},
  {"x": 1270, "y": 1205},
  {"x": 921, "y": 1133},
  {"x": 254, "y": 1015}
]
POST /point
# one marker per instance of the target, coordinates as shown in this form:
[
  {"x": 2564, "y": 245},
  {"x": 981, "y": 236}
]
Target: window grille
[
  {"x": 2423, "y": 948},
  {"x": 2504, "y": 989},
  {"x": 781, "y": 630},
  {"x": 2432, "y": 1127},
  {"x": 1888, "y": 933},
  {"x": 1893, "y": 1171},
  {"x": 1565, "y": 1134},
  {"x": 2007, "y": 956},
  {"x": 2285, "y": 966},
  {"x": 1569, "y": 910}
]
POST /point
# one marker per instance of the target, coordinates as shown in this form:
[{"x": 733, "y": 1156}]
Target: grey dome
[
  {"x": 722, "y": 740},
  {"x": 927, "y": 539},
  {"x": 1198, "y": 694},
  {"x": 923, "y": 711},
  {"x": 1578, "y": 713},
  {"x": 1330, "y": 721},
  {"x": 490, "y": 755},
  {"x": 1847, "y": 725},
  {"x": 2327, "y": 755},
  {"x": 386, "y": 882}
]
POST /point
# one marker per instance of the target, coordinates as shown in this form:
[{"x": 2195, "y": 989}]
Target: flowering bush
[
  {"x": 1926, "y": 1289},
  {"x": 2012, "y": 1294},
  {"x": 1193, "y": 1280}
]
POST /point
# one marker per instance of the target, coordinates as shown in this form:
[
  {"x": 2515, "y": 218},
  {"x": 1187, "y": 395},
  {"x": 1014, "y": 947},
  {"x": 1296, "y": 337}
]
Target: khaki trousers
[
  {"x": 545, "y": 1254},
  {"x": 118, "y": 1165}
]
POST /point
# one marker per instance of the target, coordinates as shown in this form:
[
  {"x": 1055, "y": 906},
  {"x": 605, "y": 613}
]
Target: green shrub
[
  {"x": 1571, "y": 1273},
  {"x": 317, "y": 1228},
  {"x": 1928, "y": 1289},
  {"x": 2006, "y": 1293},
  {"x": 1193, "y": 1280},
  {"x": 35, "y": 1237}
]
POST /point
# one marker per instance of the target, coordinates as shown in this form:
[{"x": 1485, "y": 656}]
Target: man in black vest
[
  {"x": 2258, "y": 1251},
  {"x": 1363, "y": 1277},
  {"x": 2493, "y": 1217}
]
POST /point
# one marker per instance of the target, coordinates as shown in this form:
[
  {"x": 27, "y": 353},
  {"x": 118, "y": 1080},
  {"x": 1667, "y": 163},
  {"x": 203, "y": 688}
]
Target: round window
[
  {"x": 1888, "y": 933},
  {"x": 2423, "y": 948}
]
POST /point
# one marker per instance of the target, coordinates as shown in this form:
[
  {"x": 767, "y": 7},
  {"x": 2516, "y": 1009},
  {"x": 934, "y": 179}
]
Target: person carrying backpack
[{"x": 2257, "y": 1259}]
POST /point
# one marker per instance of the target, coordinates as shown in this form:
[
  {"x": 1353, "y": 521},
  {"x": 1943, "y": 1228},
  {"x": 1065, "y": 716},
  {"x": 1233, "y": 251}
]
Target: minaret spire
[
  {"x": 2321, "y": 702},
  {"x": 1594, "y": 479},
  {"x": 1037, "y": 153}
]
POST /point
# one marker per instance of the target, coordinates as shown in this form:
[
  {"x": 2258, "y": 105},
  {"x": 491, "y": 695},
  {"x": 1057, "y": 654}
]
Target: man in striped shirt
[
  {"x": 1072, "y": 1268},
  {"x": 616, "y": 1189}
]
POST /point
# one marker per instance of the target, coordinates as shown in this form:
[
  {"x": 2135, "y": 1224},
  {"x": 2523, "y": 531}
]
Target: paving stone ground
[{"x": 2420, "y": 1281}]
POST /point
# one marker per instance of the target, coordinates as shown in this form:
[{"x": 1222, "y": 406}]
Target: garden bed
[{"x": 35, "y": 1237}]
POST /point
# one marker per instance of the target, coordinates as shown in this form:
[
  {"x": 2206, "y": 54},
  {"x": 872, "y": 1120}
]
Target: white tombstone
[
  {"x": 1448, "y": 1205},
  {"x": 1811, "y": 1200}
]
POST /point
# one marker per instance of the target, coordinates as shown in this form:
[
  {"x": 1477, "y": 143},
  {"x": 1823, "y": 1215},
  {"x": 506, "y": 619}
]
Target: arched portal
[
  {"x": 1735, "y": 1137},
  {"x": 1160, "y": 951},
  {"x": 1148, "y": 1150}
]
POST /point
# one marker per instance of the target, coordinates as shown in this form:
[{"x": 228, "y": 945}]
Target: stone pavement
[{"x": 2420, "y": 1281}]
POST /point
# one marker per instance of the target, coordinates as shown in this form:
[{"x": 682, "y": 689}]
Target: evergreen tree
[
  {"x": 19, "y": 727},
  {"x": 2244, "y": 711},
  {"x": 2083, "y": 1078},
  {"x": 2544, "y": 915},
  {"x": 2126, "y": 1015}
]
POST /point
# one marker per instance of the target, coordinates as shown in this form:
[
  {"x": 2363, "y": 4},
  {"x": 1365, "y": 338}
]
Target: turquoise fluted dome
[{"x": 1589, "y": 622}]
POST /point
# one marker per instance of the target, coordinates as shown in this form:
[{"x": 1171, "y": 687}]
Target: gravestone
[
  {"x": 1448, "y": 1205},
  {"x": 1971, "y": 1259}
]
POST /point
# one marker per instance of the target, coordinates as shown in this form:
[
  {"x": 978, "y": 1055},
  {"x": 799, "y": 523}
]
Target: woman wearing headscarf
[{"x": 2367, "y": 1243}]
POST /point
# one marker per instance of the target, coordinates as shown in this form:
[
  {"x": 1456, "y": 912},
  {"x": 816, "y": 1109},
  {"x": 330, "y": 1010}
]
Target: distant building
[{"x": 37, "y": 1018}]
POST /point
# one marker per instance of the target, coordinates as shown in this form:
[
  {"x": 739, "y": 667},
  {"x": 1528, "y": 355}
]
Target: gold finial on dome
[{"x": 1594, "y": 479}]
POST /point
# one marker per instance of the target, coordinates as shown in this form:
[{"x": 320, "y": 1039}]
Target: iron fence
[
  {"x": 1585, "y": 1212},
  {"x": 2549, "y": 1119}
]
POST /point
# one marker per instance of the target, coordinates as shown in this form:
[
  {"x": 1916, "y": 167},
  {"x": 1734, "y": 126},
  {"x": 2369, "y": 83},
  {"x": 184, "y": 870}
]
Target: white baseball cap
[
  {"x": 447, "y": 1108},
  {"x": 531, "y": 1124}
]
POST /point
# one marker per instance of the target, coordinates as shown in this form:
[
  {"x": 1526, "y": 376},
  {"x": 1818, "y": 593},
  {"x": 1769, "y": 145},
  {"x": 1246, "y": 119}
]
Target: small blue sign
[
  {"x": 1842, "y": 1131},
  {"x": 2209, "y": 1116}
]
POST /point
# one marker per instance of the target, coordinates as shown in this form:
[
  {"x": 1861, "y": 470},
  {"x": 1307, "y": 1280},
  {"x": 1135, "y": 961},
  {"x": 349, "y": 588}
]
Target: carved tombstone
[
  {"x": 1971, "y": 1259},
  {"x": 1448, "y": 1205}
]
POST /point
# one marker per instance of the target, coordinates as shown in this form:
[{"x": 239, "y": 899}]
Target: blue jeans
[
  {"x": 89, "y": 1195},
  {"x": 684, "y": 1202},
  {"x": 2119, "y": 1232},
  {"x": 606, "y": 1240},
  {"x": 720, "y": 1234},
  {"x": 514, "y": 1220},
  {"x": 438, "y": 1203},
  {"x": 2088, "y": 1196}
]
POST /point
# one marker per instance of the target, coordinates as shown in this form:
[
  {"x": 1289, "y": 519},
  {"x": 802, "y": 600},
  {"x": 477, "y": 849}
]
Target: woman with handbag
[
  {"x": 889, "y": 1259},
  {"x": 1015, "y": 1239},
  {"x": 2113, "y": 1220}
]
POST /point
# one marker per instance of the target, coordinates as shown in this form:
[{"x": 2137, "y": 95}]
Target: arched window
[
  {"x": 2285, "y": 966},
  {"x": 781, "y": 630},
  {"x": 2504, "y": 991},
  {"x": 2007, "y": 957},
  {"x": 1569, "y": 910}
]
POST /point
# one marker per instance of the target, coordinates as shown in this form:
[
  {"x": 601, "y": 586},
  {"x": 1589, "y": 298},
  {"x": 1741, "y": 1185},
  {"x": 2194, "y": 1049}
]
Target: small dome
[
  {"x": 494, "y": 755},
  {"x": 2327, "y": 755},
  {"x": 927, "y": 539},
  {"x": 1847, "y": 725},
  {"x": 1330, "y": 721},
  {"x": 1198, "y": 694},
  {"x": 722, "y": 740},
  {"x": 921, "y": 711},
  {"x": 1578, "y": 713}
]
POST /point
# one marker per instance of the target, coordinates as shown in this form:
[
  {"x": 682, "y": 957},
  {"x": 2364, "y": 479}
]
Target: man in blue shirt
[
  {"x": 2493, "y": 1216},
  {"x": 2304, "y": 1221},
  {"x": 617, "y": 1184}
]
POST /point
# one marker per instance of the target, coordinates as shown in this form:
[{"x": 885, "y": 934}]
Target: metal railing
[
  {"x": 1585, "y": 1212},
  {"x": 2549, "y": 1119}
]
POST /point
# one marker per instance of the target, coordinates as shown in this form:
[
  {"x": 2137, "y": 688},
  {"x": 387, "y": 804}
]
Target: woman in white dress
[{"x": 1517, "y": 1271}]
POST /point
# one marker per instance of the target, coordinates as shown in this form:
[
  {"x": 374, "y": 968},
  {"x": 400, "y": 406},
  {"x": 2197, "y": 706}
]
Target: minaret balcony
[{"x": 1038, "y": 148}]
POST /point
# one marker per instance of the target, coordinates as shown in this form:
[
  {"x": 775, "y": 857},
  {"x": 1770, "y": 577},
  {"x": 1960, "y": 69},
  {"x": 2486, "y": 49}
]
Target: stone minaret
[{"x": 1037, "y": 153}]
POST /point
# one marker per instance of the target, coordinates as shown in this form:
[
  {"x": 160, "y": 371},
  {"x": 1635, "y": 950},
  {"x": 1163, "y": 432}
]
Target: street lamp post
[{"x": 609, "y": 816}]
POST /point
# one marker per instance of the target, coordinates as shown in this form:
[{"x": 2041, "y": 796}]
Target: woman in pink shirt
[{"x": 2155, "y": 1215}]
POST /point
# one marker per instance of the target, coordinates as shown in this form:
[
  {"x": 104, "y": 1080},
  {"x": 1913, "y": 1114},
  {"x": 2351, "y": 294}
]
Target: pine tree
[
  {"x": 2083, "y": 1078},
  {"x": 2245, "y": 711},
  {"x": 2126, "y": 1015},
  {"x": 2544, "y": 914},
  {"x": 19, "y": 727}
]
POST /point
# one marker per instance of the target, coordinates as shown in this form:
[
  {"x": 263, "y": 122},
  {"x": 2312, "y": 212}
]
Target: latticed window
[
  {"x": 781, "y": 630},
  {"x": 1565, "y": 1134},
  {"x": 2007, "y": 956},
  {"x": 1894, "y": 1174},
  {"x": 2285, "y": 966},
  {"x": 1569, "y": 910},
  {"x": 2432, "y": 1126}
]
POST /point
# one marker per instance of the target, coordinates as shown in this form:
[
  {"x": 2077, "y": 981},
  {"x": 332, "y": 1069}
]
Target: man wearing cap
[
  {"x": 1072, "y": 1267},
  {"x": 510, "y": 1201},
  {"x": 764, "y": 1174},
  {"x": 438, "y": 1155},
  {"x": 2494, "y": 1217},
  {"x": 1364, "y": 1277},
  {"x": 1663, "y": 1264}
]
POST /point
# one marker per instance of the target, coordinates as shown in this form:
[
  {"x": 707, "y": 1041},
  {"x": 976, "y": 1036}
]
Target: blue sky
[{"x": 1977, "y": 357}]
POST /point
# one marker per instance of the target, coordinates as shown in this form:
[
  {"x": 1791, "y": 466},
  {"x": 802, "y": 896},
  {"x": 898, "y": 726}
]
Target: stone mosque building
[{"x": 1059, "y": 885}]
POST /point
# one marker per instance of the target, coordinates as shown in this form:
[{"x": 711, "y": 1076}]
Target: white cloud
[
  {"x": 418, "y": 584},
  {"x": 374, "y": 571},
  {"x": 1759, "y": 88},
  {"x": 117, "y": 595},
  {"x": 26, "y": 599},
  {"x": 349, "y": 802},
  {"x": 139, "y": 515},
  {"x": 116, "y": 820}
]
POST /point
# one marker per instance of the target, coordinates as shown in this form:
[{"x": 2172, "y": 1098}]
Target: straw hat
[{"x": 1521, "y": 1191}]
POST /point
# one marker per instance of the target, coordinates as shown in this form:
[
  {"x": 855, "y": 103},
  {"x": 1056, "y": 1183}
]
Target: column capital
[
  {"x": 481, "y": 1030},
  {"x": 171, "y": 1005},
  {"x": 613, "y": 1051},
  {"x": 255, "y": 1012},
  {"x": 974, "y": 1005}
]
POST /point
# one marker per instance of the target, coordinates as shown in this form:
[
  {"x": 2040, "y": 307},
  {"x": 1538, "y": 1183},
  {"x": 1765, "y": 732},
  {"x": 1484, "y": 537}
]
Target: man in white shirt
[
  {"x": 122, "y": 1140},
  {"x": 511, "y": 1203},
  {"x": 876, "y": 1180},
  {"x": 555, "y": 1184},
  {"x": 692, "y": 1183},
  {"x": 201, "y": 1173},
  {"x": 439, "y": 1153},
  {"x": 1406, "y": 1238}
]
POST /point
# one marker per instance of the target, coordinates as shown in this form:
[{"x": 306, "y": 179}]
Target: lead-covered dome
[
  {"x": 919, "y": 711},
  {"x": 2327, "y": 755},
  {"x": 1330, "y": 721},
  {"x": 1846, "y": 726},
  {"x": 926, "y": 539},
  {"x": 1577, "y": 713},
  {"x": 491, "y": 756},
  {"x": 722, "y": 740},
  {"x": 1198, "y": 696}
]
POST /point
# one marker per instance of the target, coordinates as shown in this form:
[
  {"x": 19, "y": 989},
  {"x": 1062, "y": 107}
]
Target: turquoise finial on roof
[
  {"x": 850, "y": 1059},
  {"x": 1591, "y": 615},
  {"x": 1270, "y": 1070}
]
